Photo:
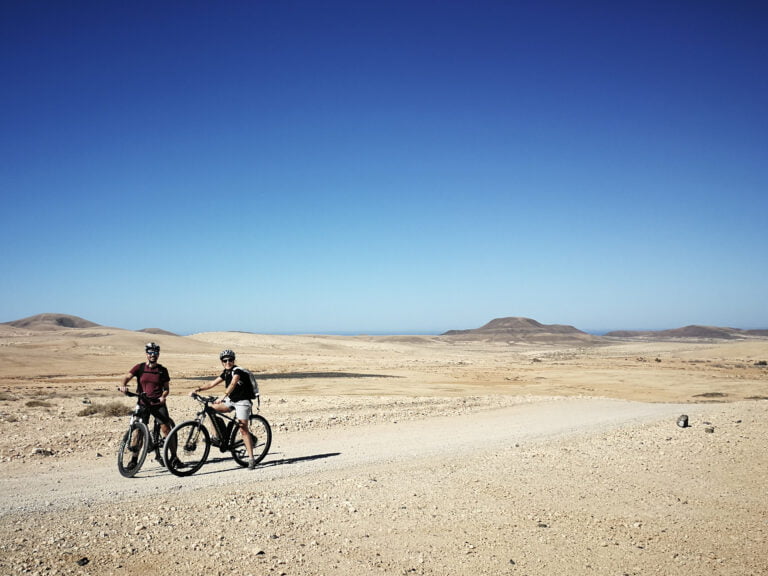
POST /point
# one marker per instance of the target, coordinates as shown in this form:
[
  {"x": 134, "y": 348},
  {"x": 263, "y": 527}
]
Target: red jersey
[{"x": 152, "y": 381}]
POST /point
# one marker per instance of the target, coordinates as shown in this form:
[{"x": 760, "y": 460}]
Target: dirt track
[
  {"x": 569, "y": 485},
  {"x": 398, "y": 456},
  {"x": 73, "y": 482}
]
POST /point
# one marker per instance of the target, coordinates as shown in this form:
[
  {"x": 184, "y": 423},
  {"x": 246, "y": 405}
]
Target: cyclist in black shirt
[{"x": 238, "y": 396}]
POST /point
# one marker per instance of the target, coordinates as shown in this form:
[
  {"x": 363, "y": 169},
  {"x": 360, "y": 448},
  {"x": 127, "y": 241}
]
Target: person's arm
[
  {"x": 124, "y": 386},
  {"x": 232, "y": 385},
  {"x": 216, "y": 382}
]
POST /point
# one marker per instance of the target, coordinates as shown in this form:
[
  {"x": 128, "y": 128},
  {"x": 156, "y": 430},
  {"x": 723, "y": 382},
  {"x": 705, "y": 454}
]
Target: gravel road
[
  {"x": 94, "y": 480},
  {"x": 546, "y": 486}
]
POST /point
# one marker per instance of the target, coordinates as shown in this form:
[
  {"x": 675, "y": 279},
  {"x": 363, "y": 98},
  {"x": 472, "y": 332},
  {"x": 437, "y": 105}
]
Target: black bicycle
[
  {"x": 137, "y": 441},
  {"x": 194, "y": 441}
]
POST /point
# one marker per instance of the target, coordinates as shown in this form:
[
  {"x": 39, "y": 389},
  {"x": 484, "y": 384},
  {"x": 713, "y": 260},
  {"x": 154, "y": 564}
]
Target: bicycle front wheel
[
  {"x": 133, "y": 449},
  {"x": 261, "y": 439},
  {"x": 186, "y": 448}
]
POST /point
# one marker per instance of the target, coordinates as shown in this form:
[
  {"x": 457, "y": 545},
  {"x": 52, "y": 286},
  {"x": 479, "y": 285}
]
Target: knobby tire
[
  {"x": 133, "y": 449},
  {"x": 261, "y": 435},
  {"x": 192, "y": 443}
]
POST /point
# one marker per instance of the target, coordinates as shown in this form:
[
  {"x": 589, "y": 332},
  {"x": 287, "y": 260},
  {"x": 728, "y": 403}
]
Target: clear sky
[{"x": 384, "y": 166}]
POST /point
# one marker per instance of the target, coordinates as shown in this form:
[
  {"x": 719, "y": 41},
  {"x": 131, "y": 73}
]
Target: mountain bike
[
  {"x": 137, "y": 440},
  {"x": 194, "y": 441}
]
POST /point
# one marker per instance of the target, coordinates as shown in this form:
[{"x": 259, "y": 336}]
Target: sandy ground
[{"x": 413, "y": 455}]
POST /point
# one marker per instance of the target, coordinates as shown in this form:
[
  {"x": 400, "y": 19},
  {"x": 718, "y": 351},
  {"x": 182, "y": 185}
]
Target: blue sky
[{"x": 420, "y": 166}]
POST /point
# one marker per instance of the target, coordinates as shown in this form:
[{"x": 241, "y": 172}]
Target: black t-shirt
[{"x": 243, "y": 390}]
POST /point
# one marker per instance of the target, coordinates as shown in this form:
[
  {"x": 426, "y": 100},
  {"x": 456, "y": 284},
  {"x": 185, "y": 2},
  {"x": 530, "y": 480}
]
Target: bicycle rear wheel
[
  {"x": 192, "y": 442},
  {"x": 133, "y": 449},
  {"x": 261, "y": 438}
]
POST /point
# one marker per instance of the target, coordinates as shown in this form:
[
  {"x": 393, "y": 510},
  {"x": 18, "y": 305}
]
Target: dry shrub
[
  {"x": 106, "y": 410},
  {"x": 38, "y": 403},
  {"x": 89, "y": 410}
]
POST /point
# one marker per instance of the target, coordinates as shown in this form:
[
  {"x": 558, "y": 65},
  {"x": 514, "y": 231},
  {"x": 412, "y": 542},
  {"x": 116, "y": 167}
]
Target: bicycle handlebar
[
  {"x": 146, "y": 400},
  {"x": 204, "y": 399},
  {"x": 136, "y": 395}
]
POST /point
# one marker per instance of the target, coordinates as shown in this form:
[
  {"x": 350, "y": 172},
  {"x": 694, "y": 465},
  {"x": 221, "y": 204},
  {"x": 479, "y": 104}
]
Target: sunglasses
[
  {"x": 153, "y": 353},
  {"x": 225, "y": 360}
]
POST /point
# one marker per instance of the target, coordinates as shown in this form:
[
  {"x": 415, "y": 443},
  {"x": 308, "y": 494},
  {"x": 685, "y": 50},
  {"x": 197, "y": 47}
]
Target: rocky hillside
[
  {"x": 50, "y": 321},
  {"x": 693, "y": 331},
  {"x": 158, "y": 331},
  {"x": 522, "y": 329}
]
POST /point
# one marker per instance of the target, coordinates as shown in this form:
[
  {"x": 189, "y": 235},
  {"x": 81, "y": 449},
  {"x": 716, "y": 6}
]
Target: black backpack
[{"x": 254, "y": 384}]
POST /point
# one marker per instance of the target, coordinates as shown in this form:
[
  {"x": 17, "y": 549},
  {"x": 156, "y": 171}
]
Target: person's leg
[
  {"x": 161, "y": 413},
  {"x": 243, "y": 414},
  {"x": 246, "y": 434},
  {"x": 222, "y": 407}
]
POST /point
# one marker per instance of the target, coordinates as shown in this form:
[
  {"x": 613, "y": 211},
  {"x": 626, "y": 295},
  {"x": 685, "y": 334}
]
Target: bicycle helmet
[
  {"x": 152, "y": 348},
  {"x": 227, "y": 354}
]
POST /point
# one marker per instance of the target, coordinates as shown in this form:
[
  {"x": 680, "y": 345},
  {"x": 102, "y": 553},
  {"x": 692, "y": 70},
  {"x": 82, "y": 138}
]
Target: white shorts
[{"x": 243, "y": 408}]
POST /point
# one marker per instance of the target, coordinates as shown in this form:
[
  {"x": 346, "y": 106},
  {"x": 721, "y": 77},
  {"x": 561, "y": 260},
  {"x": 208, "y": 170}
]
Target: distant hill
[
  {"x": 50, "y": 321},
  {"x": 693, "y": 331},
  {"x": 522, "y": 329},
  {"x": 159, "y": 331}
]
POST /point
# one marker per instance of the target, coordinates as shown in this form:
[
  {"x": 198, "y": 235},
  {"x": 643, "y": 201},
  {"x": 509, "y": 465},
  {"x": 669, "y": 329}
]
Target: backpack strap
[{"x": 139, "y": 374}]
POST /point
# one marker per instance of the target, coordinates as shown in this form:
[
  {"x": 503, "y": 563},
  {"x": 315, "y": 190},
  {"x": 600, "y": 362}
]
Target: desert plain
[{"x": 396, "y": 455}]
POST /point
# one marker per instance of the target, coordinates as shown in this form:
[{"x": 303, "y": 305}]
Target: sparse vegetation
[
  {"x": 761, "y": 363},
  {"x": 106, "y": 410},
  {"x": 38, "y": 404}
]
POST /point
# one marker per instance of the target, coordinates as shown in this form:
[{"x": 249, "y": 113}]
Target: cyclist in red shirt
[{"x": 152, "y": 379}]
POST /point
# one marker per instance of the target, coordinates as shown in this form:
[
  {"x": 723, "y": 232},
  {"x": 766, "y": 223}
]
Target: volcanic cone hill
[
  {"x": 49, "y": 321},
  {"x": 516, "y": 329}
]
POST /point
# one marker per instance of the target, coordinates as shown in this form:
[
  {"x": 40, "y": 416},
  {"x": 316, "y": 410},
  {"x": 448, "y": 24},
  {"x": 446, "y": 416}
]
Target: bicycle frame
[
  {"x": 223, "y": 430},
  {"x": 155, "y": 439}
]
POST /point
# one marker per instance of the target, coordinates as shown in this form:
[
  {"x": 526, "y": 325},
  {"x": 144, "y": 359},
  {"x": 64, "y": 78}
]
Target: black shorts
[{"x": 159, "y": 411}]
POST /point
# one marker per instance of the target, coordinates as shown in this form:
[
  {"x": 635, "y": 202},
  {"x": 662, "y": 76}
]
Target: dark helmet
[
  {"x": 152, "y": 348},
  {"x": 227, "y": 354}
]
